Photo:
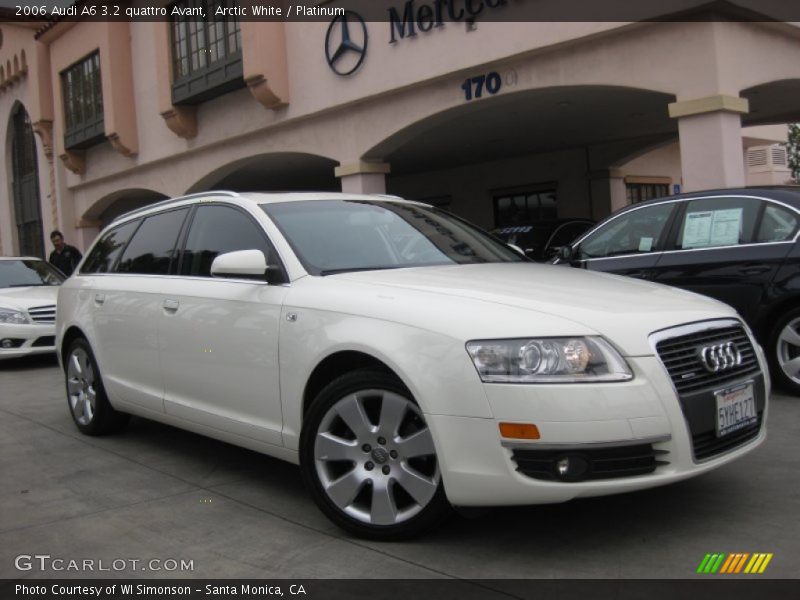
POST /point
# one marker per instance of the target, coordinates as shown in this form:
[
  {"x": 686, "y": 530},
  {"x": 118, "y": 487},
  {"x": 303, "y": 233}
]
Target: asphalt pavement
[{"x": 155, "y": 501}]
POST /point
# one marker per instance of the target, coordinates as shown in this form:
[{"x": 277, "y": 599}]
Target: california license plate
[{"x": 736, "y": 409}]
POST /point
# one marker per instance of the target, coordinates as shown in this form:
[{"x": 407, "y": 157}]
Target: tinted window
[
  {"x": 637, "y": 231},
  {"x": 217, "y": 230},
  {"x": 332, "y": 236},
  {"x": 777, "y": 225},
  {"x": 105, "y": 252},
  {"x": 713, "y": 222},
  {"x": 153, "y": 245}
]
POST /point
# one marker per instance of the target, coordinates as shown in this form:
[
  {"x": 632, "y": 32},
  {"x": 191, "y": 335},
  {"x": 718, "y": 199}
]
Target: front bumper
[
  {"x": 27, "y": 339},
  {"x": 478, "y": 468}
]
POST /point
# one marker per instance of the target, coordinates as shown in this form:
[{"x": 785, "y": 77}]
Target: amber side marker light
[{"x": 519, "y": 431}]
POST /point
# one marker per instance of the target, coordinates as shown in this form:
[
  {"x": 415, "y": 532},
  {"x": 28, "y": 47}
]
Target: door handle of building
[
  {"x": 99, "y": 299},
  {"x": 171, "y": 305}
]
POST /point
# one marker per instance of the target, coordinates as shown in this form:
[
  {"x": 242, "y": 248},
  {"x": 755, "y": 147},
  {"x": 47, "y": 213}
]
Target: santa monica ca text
[{"x": 140, "y": 589}]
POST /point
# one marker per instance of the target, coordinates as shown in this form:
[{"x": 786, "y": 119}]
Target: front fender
[{"x": 435, "y": 368}]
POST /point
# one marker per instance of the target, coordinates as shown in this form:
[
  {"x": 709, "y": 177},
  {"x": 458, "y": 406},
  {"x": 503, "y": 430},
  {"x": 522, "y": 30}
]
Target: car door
[
  {"x": 725, "y": 247},
  {"x": 219, "y": 336},
  {"x": 627, "y": 244},
  {"x": 126, "y": 305}
]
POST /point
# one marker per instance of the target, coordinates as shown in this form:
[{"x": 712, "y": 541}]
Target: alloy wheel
[
  {"x": 788, "y": 350},
  {"x": 81, "y": 386}
]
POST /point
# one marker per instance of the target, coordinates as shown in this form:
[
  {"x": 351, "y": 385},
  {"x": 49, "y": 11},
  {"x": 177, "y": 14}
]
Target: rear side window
[
  {"x": 777, "y": 225},
  {"x": 714, "y": 222},
  {"x": 153, "y": 245},
  {"x": 105, "y": 252},
  {"x": 216, "y": 230}
]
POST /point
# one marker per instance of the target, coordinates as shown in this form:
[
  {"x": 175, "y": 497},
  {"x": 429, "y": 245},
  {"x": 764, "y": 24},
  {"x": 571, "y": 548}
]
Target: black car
[
  {"x": 739, "y": 246},
  {"x": 540, "y": 240}
]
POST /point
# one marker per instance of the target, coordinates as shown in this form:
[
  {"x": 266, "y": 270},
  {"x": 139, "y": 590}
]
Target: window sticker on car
[
  {"x": 712, "y": 228},
  {"x": 697, "y": 229},
  {"x": 726, "y": 227},
  {"x": 645, "y": 244}
]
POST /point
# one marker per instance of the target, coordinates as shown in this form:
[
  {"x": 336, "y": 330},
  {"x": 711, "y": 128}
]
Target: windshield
[
  {"x": 23, "y": 273},
  {"x": 335, "y": 236}
]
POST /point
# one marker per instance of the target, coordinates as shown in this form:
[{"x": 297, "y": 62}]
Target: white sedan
[
  {"x": 405, "y": 359},
  {"x": 28, "y": 292}
]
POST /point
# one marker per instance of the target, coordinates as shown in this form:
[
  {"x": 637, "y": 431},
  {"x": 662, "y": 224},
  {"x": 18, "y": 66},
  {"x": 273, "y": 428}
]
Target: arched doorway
[
  {"x": 25, "y": 185},
  {"x": 273, "y": 172},
  {"x": 547, "y": 150}
]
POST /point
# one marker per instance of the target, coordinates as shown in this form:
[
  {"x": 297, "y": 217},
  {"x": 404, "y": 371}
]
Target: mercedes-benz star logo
[{"x": 346, "y": 43}]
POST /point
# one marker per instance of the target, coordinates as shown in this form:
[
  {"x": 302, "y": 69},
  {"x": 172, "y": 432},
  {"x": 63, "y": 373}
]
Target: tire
[
  {"x": 784, "y": 352},
  {"x": 369, "y": 460},
  {"x": 86, "y": 397}
]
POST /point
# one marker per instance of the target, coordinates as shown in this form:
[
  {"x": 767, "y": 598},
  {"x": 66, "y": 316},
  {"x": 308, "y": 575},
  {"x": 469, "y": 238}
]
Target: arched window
[{"x": 25, "y": 184}]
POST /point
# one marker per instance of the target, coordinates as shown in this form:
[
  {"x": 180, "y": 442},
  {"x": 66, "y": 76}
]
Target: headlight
[
  {"x": 15, "y": 317},
  {"x": 548, "y": 360}
]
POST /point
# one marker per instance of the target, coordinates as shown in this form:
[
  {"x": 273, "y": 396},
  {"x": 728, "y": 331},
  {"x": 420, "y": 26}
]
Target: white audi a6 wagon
[{"x": 405, "y": 359}]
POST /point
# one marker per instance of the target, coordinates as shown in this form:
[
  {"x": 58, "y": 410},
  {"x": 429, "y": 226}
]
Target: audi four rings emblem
[{"x": 720, "y": 357}]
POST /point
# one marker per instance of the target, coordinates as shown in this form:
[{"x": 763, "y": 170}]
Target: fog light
[
  {"x": 7, "y": 343},
  {"x": 572, "y": 467}
]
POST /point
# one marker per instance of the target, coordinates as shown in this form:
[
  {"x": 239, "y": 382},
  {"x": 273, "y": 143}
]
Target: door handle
[
  {"x": 99, "y": 299},
  {"x": 171, "y": 305},
  {"x": 754, "y": 270}
]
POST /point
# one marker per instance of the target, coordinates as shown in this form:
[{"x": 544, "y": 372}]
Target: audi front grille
[{"x": 706, "y": 359}]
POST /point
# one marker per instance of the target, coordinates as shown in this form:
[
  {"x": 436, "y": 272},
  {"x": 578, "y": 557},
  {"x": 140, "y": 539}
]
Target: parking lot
[{"x": 158, "y": 493}]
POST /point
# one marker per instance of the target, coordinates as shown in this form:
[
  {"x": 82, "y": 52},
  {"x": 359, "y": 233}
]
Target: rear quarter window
[{"x": 715, "y": 222}]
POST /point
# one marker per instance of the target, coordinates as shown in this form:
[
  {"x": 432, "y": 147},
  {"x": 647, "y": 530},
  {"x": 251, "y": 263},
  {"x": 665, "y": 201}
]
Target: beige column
[
  {"x": 710, "y": 131},
  {"x": 362, "y": 177},
  {"x": 608, "y": 192}
]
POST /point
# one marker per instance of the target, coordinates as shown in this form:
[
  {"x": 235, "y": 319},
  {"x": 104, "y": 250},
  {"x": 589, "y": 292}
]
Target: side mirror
[
  {"x": 248, "y": 264},
  {"x": 565, "y": 253}
]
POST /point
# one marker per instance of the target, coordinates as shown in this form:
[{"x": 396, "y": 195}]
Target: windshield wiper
[
  {"x": 356, "y": 269},
  {"x": 28, "y": 284}
]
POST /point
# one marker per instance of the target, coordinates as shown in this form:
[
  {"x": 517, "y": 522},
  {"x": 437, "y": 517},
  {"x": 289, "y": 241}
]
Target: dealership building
[{"x": 500, "y": 122}]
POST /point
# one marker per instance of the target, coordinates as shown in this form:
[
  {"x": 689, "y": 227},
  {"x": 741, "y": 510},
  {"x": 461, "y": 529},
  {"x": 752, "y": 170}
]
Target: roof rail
[{"x": 136, "y": 211}]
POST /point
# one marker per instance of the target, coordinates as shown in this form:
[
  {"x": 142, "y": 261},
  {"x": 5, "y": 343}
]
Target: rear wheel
[
  {"x": 369, "y": 458},
  {"x": 86, "y": 396},
  {"x": 784, "y": 352}
]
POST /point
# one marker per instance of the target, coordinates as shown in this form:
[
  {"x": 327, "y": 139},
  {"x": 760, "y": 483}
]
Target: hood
[
  {"x": 23, "y": 298},
  {"x": 574, "y": 301}
]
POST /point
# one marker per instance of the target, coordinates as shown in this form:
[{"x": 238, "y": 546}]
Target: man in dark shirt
[{"x": 65, "y": 257}]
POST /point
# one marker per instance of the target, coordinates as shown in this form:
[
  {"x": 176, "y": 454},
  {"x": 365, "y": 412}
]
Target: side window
[
  {"x": 216, "y": 230},
  {"x": 777, "y": 225},
  {"x": 153, "y": 245},
  {"x": 636, "y": 232},
  {"x": 105, "y": 252},
  {"x": 713, "y": 222}
]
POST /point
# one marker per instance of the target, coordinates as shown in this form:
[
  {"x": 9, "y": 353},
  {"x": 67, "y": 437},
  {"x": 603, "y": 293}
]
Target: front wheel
[
  {"x": 369, "y": 458},
  {"x": 784, "y": 352},
  {"x": 86, "y": 396}
]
